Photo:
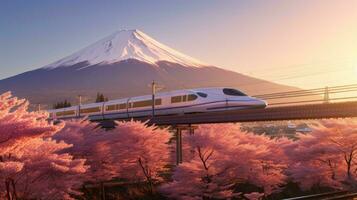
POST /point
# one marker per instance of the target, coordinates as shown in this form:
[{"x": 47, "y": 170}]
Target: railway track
[{"x": 339, "y": 195}]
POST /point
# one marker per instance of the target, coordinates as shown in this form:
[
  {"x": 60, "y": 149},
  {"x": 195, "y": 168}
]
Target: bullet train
[{"x": 177, "y": 102}]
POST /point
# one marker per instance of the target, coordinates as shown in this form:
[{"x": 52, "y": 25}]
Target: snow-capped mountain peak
[{"x": 127, "y": 44}]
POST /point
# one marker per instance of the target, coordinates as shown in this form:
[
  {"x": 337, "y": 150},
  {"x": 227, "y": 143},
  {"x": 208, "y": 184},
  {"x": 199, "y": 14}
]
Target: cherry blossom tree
[
  {"x": 226, "y": 156},
  {"x": 133, "y": 150},
  {"x": 327, "y": 156},
  {"x": 45, "y": 174},
  {"x": 19, "y": 126},
  {"x": 30, "y": 166},
  {"x": 145, "y": 151}
]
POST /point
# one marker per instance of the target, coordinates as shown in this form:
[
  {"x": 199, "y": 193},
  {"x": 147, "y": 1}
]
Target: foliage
[
  {"x": 223, "y": 157},
  {"x": 101, "y": 98},
  {"x": 30, "y": 167},
  {"x": 62, "y": 104},
  {"x": 327, "y": 156},
  {"x": 40, "y": 160},
  {"x": 132, "y": 150}
]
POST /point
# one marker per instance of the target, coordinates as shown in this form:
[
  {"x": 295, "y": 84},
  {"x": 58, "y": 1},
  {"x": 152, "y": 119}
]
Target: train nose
[{"x": 261, "y": 103}]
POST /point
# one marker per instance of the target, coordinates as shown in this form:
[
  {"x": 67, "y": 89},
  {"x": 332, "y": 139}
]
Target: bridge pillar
[
  {"x": 178, "y": 146},
  {"x": 191, "y": 130},
  {"x": 178, "y": 135},
  {"x": 107, "y": 124}
]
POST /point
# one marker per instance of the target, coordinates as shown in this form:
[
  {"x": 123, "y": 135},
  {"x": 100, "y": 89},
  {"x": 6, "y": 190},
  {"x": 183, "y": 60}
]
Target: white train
[{"x": 166, "y": 103}]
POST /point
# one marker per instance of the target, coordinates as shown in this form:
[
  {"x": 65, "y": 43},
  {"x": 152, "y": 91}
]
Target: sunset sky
[{"x": 304, "y": 43}]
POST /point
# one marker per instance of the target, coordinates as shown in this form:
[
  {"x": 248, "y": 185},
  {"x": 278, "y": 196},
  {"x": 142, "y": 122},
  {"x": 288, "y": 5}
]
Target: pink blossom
[
  {"x": 31, "y": 166},
  {"x": 327, "y": 156},
  {"x": 132, "y": 150},
  {"x": 224, "y": 156}
]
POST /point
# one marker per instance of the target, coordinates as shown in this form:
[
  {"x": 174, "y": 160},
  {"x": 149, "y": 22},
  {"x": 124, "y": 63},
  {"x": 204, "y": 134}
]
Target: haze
[{"x": 300, "y": 43}]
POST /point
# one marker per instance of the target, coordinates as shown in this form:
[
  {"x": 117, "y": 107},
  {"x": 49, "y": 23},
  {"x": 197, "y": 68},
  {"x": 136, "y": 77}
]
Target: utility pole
[
  {"x": 326, "y": 95},
  {"x": 153, "y": 91},
  {"x": 39, "y": 107},
  {"x": 154, "y": 87},
  {"x": 79, "y": 105}
]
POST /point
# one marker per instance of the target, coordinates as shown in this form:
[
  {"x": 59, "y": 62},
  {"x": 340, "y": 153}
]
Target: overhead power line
[
  {"x": 317, "y": 91},
  {"x": 310, "y": 96}
]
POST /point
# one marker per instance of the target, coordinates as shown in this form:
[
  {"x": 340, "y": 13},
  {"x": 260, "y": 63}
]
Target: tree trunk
[
  {"x": 14, "y": 196},
  {"x": 102, "y": 191},
  {"x": 147, "y": 173},
  {"x": 348, "y": 159},
  {"x": 150, "y": 187},
  {"x": 333, "y": 174},
  {"x": 349, "y": 170},
  {"x": 8, "y": 191}
]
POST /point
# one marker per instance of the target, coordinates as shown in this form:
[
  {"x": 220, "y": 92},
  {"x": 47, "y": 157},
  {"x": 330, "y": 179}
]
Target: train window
[
  {"x": 122, "y": 106},
  {"x": 184, "y": 98},
  {"x": 201, "y": 94},
  {"x": 90, "y": 110},
  {"x": 146, "y": 103},
  {"x": 233, "y": 92},
  {"x": 176, "y": 99},
  {"x": 158, "y": 102},
  {"x": 65, "y": 113},
  {"x": 141, "y": 103},
  {"x": 69, "y": 112},
  {"x": 191, "y": 97},
  {"x": 112, "y": 107}
]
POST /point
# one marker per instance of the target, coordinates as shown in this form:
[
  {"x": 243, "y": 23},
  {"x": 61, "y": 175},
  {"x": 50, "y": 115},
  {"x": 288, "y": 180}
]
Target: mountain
[
  {"x": 123, "y": 45},
  {"x": 122, "y": 65}
]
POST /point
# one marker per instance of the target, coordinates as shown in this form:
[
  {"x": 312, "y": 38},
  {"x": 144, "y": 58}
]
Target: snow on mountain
[{"x": 123, "y": 45}]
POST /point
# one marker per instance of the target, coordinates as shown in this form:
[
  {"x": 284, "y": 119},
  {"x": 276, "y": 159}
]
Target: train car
[
  {"x": 116, "y": 109},
  {"x": 177, "y": 102},
  {"x": 61, "y": 113},
  {"x": 94, "y": 110}
]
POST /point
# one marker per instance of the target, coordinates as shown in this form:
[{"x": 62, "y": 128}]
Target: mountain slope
[
  {"x": 126, "y": 44},
  {"x": 123, "y": 65}
]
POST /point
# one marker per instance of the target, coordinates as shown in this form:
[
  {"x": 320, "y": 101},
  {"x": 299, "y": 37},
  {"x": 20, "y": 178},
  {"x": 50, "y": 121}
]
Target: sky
[{"x": 303, "y": 43}]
